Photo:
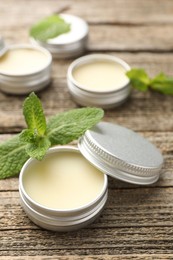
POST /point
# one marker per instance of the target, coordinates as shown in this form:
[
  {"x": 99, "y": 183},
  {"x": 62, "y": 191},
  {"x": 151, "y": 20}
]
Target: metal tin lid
[
  {"x": 68, "y": 44},
  {"x": 2, "y": 45},
  {"x": 121, "y": 153}
]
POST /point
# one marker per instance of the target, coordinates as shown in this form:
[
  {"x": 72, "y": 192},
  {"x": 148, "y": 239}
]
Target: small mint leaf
[
  {"x": 139, "y": 79},
  {"x": 163, "y": 84},
  {"x": 49, "y": 27},
  {"x": 69, "y": 126},
  {"x": 12, "y": 157},
  {"x": 38, "y": 148},
  {"x": 26, "y": 136},
  {"x": 34, "y": 116}
]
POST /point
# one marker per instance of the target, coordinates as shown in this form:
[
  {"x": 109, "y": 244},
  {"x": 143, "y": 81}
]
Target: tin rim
[
  {"x": 96, "y": 57},
  {"x": 56, "y": 150},
  {"x": 29, "y": 46}
]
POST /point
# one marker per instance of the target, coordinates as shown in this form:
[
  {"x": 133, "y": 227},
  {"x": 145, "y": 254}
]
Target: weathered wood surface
[{"x": 137, "y": 222}]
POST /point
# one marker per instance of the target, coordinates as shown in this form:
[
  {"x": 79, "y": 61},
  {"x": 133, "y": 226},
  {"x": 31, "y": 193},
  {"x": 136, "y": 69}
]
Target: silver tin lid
[
  {"x": 2, "y": 45},
  {"x": 121, "y": 153},
  {"x": 3, "y": 48},
  {"x": 69, "y": 44}
]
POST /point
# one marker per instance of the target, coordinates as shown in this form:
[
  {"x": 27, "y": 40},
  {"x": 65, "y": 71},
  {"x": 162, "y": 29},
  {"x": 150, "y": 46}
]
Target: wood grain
[
  {"x": 137, "y": 222},
  {"x": 125, "y": 209},
  {"x": 94, "y": 257},
  {"x": 113, "y": 37},
  {"x": 110, "y": 11}
]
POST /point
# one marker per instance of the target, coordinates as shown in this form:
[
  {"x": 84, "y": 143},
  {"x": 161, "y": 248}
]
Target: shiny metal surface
[
  {"x": 57, "y": 219},
  {"x": 105, "y": 99},
  {"x": 121, "y": 153},
  {"x": 23, "y": 84},
  {"x": 70, "y": 44}
]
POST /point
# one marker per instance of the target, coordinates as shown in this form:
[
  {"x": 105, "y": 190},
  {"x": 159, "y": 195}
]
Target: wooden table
[{"x": 137, "y": 222}]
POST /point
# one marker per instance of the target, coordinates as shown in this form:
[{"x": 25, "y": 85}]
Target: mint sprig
[
  {"x": 49, "y": 27},
  {"x": 141, "y": 81},
  {"x": 39, "y": 136},
  {"x": 35, "y": 135}
]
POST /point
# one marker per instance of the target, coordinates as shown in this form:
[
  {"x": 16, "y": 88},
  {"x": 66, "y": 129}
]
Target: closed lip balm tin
[
  {"x": 117, "y": 152},
  {"x": 70, "y": 44},
  {"x": 105, "y": 97},
  {"x": 24, "y": 83}
]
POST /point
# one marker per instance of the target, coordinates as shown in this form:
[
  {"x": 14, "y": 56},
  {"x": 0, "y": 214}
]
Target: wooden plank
[
  {"x": 117, "y": 12},
  {"x": 95, "y": 257},
  {"x": 119, "y": 38},
  {"x": 112, "y": 38},
  {"x": 141, "y": 240},
  {"x": 142, "y": 112},
  {"x": 128, "y": 208}
]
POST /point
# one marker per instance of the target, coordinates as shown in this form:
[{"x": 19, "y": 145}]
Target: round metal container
[
  {"x": 121, "y": 153},
  {"x": 104, "y": 99},
  {"x": 26, "y": 83},
  {"x": 2, "y": 45},
  {"x": 57, "y": 219},
  {"x": 69, "y": 44}
]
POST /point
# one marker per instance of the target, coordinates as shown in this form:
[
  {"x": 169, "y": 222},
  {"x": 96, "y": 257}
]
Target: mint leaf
[
  {"x": 163, "y": 84},
  {"x": 35, "y": 136},
  {"x": 139, "y": 79},
  {"x": 38, "y": 148},
  {"x": 69, "y": 126},
  {"x": 35, "y": 141},
  {"x": 34, "y": 116},
  {"x": 49, "y": 27},
  {"x": 12, "y": 157}
]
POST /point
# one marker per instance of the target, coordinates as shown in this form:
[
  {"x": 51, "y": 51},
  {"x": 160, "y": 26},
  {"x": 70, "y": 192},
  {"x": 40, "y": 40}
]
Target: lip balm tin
[
  {"x": 1, "y": 44},
  {"x": 114, "y": 150},
  {"x": 28, "y": 82},
  {"x": 57, "y": 219},
  {"x": 104, "y": 99},
  {"x": 70, "y": 44}
]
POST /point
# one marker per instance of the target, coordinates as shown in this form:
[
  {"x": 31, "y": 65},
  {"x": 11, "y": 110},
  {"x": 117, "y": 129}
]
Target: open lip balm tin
[
  {"x": 99, "y": 80},
  {"x": 70, "y": 44},
  {"x": 113, "y": 150},
  {"x": 27, "y": 75}
]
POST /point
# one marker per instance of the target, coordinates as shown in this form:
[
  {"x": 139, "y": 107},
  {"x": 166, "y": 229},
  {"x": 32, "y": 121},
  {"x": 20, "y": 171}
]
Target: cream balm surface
[
  {"x": 100, "y": 76},
  {"x": 20, "y": 61},
  {"x": 64, "y": 180}
]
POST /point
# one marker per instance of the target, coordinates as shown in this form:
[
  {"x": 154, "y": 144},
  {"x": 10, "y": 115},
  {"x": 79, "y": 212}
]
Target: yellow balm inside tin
[
  {"x": 100, "y": 76},
  {"x": 63, "y": 180},
  {"x": 22, "y": 61}
]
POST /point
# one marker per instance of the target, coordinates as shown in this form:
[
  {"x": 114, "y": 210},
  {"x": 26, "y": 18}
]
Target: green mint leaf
[
  {"x": 163, "y": 84},
  {"x": 69, "y": 126},
  {"x": 36, "y": 140},
  {"x": 34, "y": 116},
  {"x": 12, "y": 157},
  {"x": 49, "y": 27},
  {"x": 38, "y": 147},
  {"x": 27, "y": 136},
  {"x": 34, "y": 137},
  {"x": 139, "y": 79}
]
